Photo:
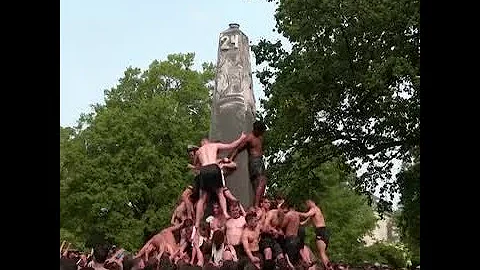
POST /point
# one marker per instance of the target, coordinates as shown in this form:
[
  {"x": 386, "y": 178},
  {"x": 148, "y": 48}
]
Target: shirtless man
[
  {"x": 193, "y": 192},
  {"x": 254, "y": 143},
  {"x": 271, "y": 236},
  {"x": 210, "y": 180},
  {"x": 315, "y": 215},
  {"x": 163, "y": 241},
  {"x": 218, "y": 222},
  {"x": 234, "y": 227},
  {"x": 251, "y": 239},
  {"x": 292, "y": 243},
  {"x": 180, "y": 213},
  {"x": 263, "y": 209}
]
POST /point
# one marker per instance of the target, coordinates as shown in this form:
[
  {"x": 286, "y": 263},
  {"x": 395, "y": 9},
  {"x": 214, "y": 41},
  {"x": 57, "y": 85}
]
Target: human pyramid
[{"x": 268, "y": 235}]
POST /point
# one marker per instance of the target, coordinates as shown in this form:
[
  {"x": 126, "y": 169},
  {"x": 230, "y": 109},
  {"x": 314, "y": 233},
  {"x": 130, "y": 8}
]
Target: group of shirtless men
[{"x": 268, "y": 234}]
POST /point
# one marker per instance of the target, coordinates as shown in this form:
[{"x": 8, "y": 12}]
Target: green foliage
[
  {"x": 347, "y": 214},
  {"x": 408, "y": 220},
  {"x": 124, "y": 165},
  {"x": 394, "y": 255},
  {"x": 351, "y": 78},
  {"x": 69, "y": 237}
]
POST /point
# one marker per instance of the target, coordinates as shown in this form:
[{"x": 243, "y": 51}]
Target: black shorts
[
  {"x": 322, "y": 234},
  {"x": 256, "y": 167},
  {"x": 292, "y": 246},
  {"x": 302, "y": 234},
  {"x": 240, "y": 251},
  {"x": 267, "y": 241},
  {"x": 210, "y": 178}
]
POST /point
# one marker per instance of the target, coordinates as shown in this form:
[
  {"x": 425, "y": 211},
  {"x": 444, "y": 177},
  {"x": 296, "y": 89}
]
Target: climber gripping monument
[{"x": 233, "y": 108}]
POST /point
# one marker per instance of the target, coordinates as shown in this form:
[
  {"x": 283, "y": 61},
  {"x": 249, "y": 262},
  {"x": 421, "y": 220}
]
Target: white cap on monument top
[{"x": 234, "y": 25}]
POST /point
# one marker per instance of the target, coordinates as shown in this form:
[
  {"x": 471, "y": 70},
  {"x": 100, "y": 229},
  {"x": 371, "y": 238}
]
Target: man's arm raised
[
  {"x": 232, "y": 145},
  {"x": 239, "y": 148}
]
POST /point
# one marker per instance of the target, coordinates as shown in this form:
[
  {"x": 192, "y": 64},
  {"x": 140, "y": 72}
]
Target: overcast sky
[{"x": 100, "y": 39}]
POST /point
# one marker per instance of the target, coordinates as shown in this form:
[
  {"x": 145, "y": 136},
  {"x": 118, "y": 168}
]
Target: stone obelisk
[{"x": 233, "y": 108}]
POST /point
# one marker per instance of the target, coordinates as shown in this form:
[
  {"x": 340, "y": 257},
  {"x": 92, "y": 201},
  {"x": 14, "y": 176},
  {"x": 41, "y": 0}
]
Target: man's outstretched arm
[
  {"x": 232, "y": 145},
  {"x": 309, "y": 213},
  {"x": 239, "y": 148}
]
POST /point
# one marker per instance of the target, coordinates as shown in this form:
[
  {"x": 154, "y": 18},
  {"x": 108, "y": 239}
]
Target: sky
[{"x": 100, "y": 39}]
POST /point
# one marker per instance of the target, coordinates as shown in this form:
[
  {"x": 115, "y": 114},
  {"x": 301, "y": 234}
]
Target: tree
[
  {"x": 409, "y": 217},
  {"x": 125, "y": 163},
  {"x": 350, "y": 84}
]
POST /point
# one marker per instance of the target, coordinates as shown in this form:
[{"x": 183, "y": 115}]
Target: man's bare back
[
  {"x": 291, "y": 223},
  {"x": 207, "y": 153}
]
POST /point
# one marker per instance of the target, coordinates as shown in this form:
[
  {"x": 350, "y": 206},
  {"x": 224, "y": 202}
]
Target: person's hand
[{"x": 254, "y": 260}]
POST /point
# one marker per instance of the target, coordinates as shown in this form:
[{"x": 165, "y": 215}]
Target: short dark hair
[
  {"x": 250, "y": 215},
  {"x": 259, "y": 126},
  {"x": 100, "y": 253},
  {"x": 218, "y": 237},
  {"x": 188, "y": 222}
]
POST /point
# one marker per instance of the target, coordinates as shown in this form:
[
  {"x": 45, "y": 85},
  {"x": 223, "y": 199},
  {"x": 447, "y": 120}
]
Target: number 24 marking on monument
[{"x": 225, "y": 44}]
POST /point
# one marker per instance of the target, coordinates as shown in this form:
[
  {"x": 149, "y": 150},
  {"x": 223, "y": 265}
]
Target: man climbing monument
[{"x": 254, "y": 144}]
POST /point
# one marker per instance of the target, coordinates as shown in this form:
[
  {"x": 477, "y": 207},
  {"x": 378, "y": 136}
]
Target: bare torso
[
  {"x": 207, "y": 154},
  {"x": 317, "y": 218},
  {"x": 218, "y": 223},
  {"x": 292, "y": 220},
  {"x": 273, "y": 220},
  {"x": 255, "y": 145},
  {"x": 234, "y": 229},
  {"x": 253, "y": 238}
]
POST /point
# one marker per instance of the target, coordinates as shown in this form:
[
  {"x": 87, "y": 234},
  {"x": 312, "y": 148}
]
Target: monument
[{"x": 233, "y": 108}]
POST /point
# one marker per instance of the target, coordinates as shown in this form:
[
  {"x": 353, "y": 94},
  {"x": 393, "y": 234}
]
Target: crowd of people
[{"x": 268, "y": 235}]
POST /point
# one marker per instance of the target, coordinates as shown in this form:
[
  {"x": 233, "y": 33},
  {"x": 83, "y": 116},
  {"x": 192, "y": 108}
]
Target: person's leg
[
  {"x": 223, "y": 202},
  {"x": 228, "y": 194},
  {"x": 261, "y": 181},
  {"x": 200, "y": 208},
  {"x": 323, "y": 254}
]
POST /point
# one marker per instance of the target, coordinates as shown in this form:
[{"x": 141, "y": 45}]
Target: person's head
[
  {"x": 259, "y": 128},
  {"x": 310, "y": 203},
  {"x": 191, "y": 150},
  {"x": 252, "y": 209},
  {"x": 188, "y": 225},
  {"x": 251, "y": 219},
  {"x": 204, "y": 229},
  {"x": 285, "y": 206},
  {"x": 67, "y": 264},
  {"x": 234, "y": 209},
  {"x": 216, "y": 209},
  {"x": 265, "y": 203},
  {"x": 130, "y": 263},
  {"x": 218, "y": 238},
  {"x": 279, "y": 199},
  {"x": 100, "y": 253},
  {"x": 204, "y": 140}
]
